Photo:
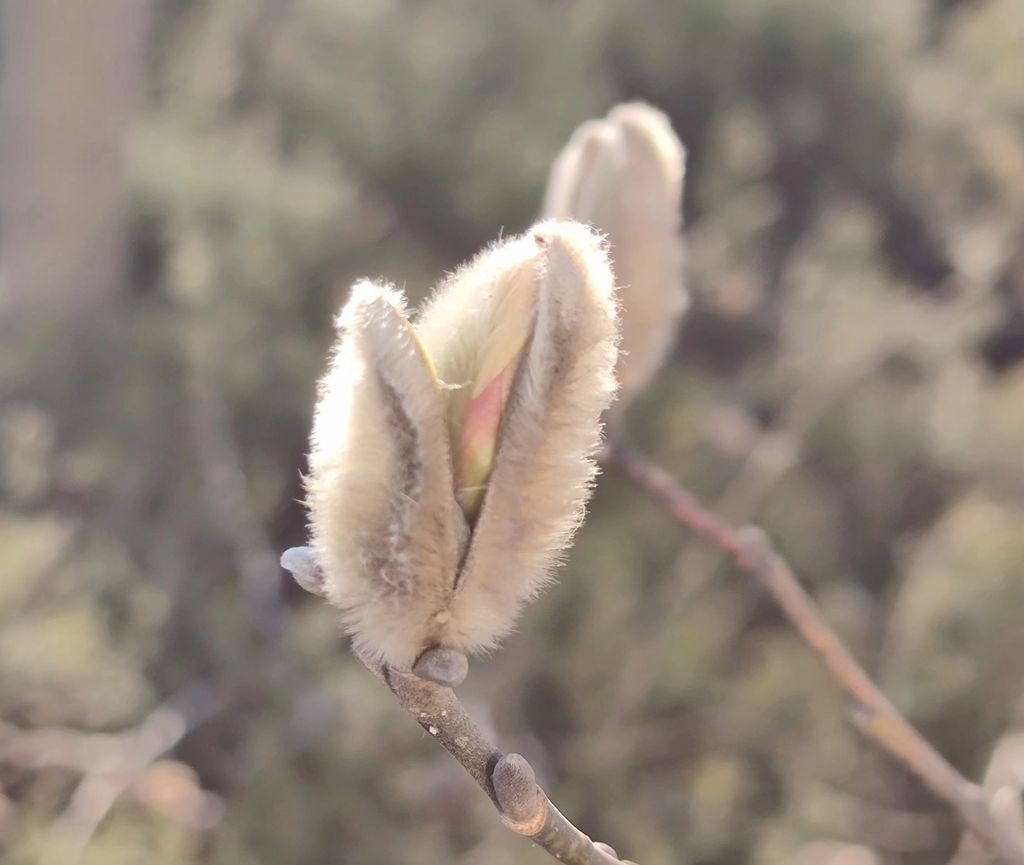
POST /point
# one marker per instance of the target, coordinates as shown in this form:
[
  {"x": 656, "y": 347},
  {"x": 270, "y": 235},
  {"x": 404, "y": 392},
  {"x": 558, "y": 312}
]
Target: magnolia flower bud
[
  {"x": 624, "y": 176},
  {"x": 452, "y": 458}
]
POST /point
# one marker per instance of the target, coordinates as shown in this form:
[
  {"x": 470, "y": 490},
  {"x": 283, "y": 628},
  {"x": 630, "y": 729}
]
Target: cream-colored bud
[
  {"x": 623, "y": 175},
  {"x": 384, "y": 524},
  {"x": 452, "y": 458}
]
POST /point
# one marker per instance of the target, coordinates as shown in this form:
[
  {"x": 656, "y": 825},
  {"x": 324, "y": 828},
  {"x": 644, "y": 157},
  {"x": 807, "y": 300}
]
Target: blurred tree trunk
[{"x": 72, "y": 75}]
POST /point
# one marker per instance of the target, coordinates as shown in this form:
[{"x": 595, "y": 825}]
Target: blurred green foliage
[{"x": 850, "y": 377}]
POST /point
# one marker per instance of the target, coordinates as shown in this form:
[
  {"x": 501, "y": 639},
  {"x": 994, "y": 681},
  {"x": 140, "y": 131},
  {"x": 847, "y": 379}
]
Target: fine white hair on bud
[
  {"x": 544, "y": 467},
  {"x": 384, "y": 525},
  {"x": 623, "y": 175},
  {"x": 452, "y": 457}
]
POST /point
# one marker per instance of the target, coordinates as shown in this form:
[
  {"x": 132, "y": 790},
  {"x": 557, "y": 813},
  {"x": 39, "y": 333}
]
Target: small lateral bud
[
  {"x": 301, "y": 564},
  {"x": 515, "y": 787},
  {"x": 442, "y": 666}
]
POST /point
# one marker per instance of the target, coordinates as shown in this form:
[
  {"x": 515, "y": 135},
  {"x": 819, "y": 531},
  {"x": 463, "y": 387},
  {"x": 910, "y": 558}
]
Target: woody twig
[
  {"x": 509, "y": 781},
  {"x": 873, "y": 713}
]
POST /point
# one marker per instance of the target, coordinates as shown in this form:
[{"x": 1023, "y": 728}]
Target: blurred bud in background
[{"x": 623, "y": 175}]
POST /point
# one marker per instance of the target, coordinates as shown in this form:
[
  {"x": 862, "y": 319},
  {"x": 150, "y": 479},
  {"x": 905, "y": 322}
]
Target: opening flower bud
[
  {"x": 477, "y": 437},
  {"x": 452, "y": 454}
]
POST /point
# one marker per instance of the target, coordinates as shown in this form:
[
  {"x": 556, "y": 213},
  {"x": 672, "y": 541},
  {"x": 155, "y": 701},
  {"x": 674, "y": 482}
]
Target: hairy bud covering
[
  {"x": 452, "y": 457},
  {"x": 623, "y": 175}
]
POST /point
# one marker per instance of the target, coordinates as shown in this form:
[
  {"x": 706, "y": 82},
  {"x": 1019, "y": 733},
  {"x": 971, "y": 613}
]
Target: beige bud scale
[
  {"x": 452, "y": 454},
  {"x": 623, "y": 175}
]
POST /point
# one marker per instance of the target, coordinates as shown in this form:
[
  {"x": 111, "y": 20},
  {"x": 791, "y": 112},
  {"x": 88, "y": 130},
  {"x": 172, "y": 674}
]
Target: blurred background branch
[
  {"x": 108, "y": 765},
  {"x": 872, "y": 711}
]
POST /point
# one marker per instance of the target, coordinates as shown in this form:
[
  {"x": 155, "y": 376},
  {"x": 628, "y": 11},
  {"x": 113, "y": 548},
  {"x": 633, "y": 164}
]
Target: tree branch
[
  {"x": 108, "y": 762},
  {"x": 507, "y": 779},
  {"x": 876, "y": 717}
]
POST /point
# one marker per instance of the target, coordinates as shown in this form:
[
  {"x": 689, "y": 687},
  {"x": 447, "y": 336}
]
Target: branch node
[
  {"x": 442, "y": 666},
  {"x": 862, "y": 717},
  {"x": 976, "y": 800},
  {"x": 519, "y": 797},
  {"x": 755, "y": 548}
]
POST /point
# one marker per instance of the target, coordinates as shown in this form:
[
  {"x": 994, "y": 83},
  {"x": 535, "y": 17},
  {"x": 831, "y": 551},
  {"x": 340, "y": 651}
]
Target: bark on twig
[
  {"x": 505, "y": 779},
  {"x": 877, "y": 718},
  {"x": 508, "y": 780}
]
